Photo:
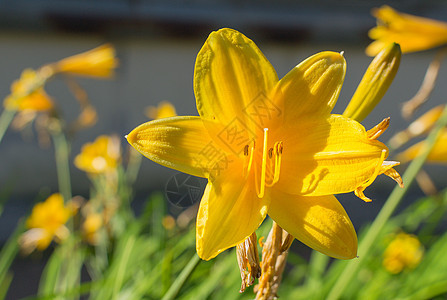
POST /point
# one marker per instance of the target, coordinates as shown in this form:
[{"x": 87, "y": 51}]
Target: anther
[
  {"x": 246, "y": 150},
  {"x": 270, "y": 152},
  {"x": 279, "y": 147}
]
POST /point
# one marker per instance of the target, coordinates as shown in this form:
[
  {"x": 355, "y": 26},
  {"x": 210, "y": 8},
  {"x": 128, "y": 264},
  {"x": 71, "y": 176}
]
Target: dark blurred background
[{"x": 157, "y": 42}]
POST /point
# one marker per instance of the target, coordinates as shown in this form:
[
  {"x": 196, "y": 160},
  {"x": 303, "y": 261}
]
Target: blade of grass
[
  {"x": 182, "y": 278},
  {"x": 7, "y": 255},
  {"x": 5, "y": 119},
  {"x": 61, "y": 152}
]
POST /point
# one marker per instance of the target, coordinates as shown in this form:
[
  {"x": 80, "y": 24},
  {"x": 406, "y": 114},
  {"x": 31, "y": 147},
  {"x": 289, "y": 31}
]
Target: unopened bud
[{"x": 375, "y": 83}]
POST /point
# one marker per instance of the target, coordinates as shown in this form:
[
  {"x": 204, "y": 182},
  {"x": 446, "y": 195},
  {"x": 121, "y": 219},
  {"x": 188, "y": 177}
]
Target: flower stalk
[
  {"x": 274, "y": 257},
  {"x": 62, "y": 152}
]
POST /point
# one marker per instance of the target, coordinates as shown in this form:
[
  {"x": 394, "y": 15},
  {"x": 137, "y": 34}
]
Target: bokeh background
[{"x": 157, "y": 42}]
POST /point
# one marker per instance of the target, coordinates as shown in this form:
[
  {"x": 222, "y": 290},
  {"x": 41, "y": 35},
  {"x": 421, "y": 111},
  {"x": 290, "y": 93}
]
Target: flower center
[{"x": 270, "y": 164}]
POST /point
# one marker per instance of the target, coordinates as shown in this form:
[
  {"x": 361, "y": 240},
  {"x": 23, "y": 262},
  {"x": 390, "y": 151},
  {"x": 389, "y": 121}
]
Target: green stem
[
  {"x": 62, "y": 151},
  {"x": 385, "y": 213},
  {"x": 6, "y": 119},
  {"x": 181, "y": 279}
]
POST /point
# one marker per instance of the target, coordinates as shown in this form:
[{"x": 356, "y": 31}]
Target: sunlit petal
[
  {"x": 334, "y": 156},
  {"x": 229, "y": 212},
  {"x": 312, "y": 87},
  {"x": 319, "y": 222},
  {"x": 230, "y": 73},
  {"x": 180, "y": 143}
]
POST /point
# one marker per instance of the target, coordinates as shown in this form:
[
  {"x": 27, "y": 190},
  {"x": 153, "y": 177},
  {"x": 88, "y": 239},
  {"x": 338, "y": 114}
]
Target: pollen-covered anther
[
  {"x": 377, "y": 130},
  {"x": 387, "y": 168}
]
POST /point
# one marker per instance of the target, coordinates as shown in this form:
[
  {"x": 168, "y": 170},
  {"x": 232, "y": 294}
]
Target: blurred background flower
[
  {"x": 46, "y": 223},
  {"x": 404, "y": 252}
]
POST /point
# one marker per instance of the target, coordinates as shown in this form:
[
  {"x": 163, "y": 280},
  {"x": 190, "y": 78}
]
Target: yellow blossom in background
[
  {"x": 47, "y": 221},
  {"x": 420, "y": 126},
  {"x": 101, "y": 156},
  {"x": 438, "y": 153},
  {"x": 27, "y": 93},
  {"x": 98, "y": 62},
  {"x": 168, "y": 222},
  {"x": 374, "y": 84},
  {"x": 164, "y": 110},
  {"x": 93, "y": 222},
  {"x": 404, "y": 252},
  {"x": 268, "y": 146},
  {"x": 412, "y": 33}
]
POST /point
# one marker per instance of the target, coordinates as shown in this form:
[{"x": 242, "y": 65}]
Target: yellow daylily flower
[
  {"x": 267, "y": 146},
  {"x": 404, "y": 252},
  {"x": 375, "y": 83},
  {"x": 413, "y": 33},
  {"x": 27, "y": 93},
  {"x": 164, "y": 110},
  {"x": 47, "y": 221},
  {"x": 438, "y": 153},
  {"x": 101, "y": 156},
  {"x": 98, "y": 62}
]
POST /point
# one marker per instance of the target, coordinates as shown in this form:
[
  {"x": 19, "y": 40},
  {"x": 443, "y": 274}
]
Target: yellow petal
[
  {"x": 438, "y": 154},
  {"x": 180, "y": 143},
  {"x": 229, "y": 212},
  {"x": 319, "y": 222},
  {"x": 164, "y": 110},
  {"x": 411, "y": 32},
  {"x": 312, "y": 87},
  {"x": 231, "y": 75},
  {"x": 334, "y": 156},
  {"x": 98, "y": 62},
  {"x": 27, "y": 93},
  {"x": 375, "y": 83},
  {"x": 101, "y": 156}
]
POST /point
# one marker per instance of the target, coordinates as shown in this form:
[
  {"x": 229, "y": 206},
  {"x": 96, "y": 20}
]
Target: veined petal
[
  {"x": 334, "y": 156},
  {"x": 229, "y": 212},
  {"x": 180, "y": 143},
  {"x": 312, "y": 87},
  {"x": 319, "y": 222},
  {"x": 230, "y": 75}
]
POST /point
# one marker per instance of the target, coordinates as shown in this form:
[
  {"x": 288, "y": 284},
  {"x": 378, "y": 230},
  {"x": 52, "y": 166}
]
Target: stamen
[
  {"x": 359, "y": 190},
  {"x": 277, "y": 149},
  {"x": 250, "y": 159},
  {"x": 278, "y": 155},
  {"x": 377, "y": 130}
]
